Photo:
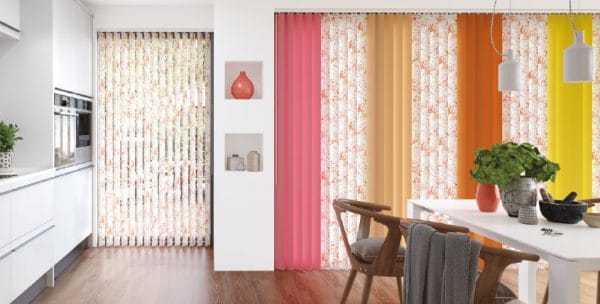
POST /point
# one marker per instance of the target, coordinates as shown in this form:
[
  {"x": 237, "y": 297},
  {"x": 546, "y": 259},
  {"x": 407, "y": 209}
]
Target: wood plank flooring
[{"x": 185, "y": 275}]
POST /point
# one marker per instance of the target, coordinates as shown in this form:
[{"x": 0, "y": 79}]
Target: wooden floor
[{"x": 185, "y": 275}]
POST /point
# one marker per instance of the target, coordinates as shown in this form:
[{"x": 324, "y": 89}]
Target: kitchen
[{"x": 47, "y": 88}]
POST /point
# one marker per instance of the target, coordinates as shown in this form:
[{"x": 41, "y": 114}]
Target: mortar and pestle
[{"x": 567, "y": 210}]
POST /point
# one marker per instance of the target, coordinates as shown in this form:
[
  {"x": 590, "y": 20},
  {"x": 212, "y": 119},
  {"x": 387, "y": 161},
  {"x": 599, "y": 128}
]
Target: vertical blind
[
  {"x": 153, "y": 139},
  {"x": 479, "y": 104},
  {"x": 298, "y": 115},
  {"x": 596, "y": 111},
  {"x": 524, "y": 112},
  {"x": 569, "y": 112},
  {"x": 343, "y": 128},
  {"x": 434, "y": 106}
]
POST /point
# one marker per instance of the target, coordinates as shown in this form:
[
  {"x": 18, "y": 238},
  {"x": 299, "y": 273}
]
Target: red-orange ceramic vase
[
  {"x": 488, "y": 197},
  {"x": 242, "y": 87}
]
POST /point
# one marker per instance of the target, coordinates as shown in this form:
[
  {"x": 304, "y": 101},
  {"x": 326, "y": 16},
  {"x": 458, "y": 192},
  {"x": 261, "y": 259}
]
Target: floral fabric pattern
[
  {"x": 434, "y": 88},
  {"x": 524, "y": 117},
  {"x": 153, "y": 139},
  {"x": 596, "y": 112},
  {"x": 343, "y": 128}
]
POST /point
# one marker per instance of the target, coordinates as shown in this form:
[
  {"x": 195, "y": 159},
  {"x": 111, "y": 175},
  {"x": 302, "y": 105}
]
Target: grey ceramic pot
[{"x": 520, "y": 192}]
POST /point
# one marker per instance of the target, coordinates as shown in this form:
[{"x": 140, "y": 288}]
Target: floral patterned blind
[{"x": 153, "y": 139}]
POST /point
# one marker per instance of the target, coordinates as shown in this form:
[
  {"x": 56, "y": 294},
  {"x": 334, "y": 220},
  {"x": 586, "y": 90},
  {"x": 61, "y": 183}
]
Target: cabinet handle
[
  {"x": 31, "y": 239},
  {"x": 6, "y": 254}
]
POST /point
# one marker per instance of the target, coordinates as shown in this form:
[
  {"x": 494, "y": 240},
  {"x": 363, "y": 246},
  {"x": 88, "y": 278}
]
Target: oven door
[{"x": 65, "y": 137}]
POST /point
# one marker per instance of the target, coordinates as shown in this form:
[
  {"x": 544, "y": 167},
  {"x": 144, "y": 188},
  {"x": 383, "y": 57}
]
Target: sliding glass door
[{"x": 154, "y": 139}]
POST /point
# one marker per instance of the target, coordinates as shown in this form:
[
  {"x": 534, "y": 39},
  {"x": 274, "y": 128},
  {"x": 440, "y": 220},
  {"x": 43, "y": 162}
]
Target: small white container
[
  {"x": 253, "y": 158},
  {"x": 235, "y": 163}
]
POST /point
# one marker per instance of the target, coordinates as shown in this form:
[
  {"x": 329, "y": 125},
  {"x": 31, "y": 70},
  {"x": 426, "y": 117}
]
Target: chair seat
[{"x": 368, "y": 249}]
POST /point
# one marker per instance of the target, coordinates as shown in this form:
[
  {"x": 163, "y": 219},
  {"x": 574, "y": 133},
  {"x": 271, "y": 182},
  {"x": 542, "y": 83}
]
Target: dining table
[{"x": 569, "y": 250}]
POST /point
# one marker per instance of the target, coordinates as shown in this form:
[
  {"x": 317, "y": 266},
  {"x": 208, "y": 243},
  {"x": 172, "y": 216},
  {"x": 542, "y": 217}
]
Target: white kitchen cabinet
[
  {"x": 73, "y": 43},
  {"x": 29, "y": 261},
  {"x": 72, "y": 211},
  {"x": 4, "y": 221},
  {"x": 5, "y": 279},
  {"x": 10, "y": 18},
  {"x": 31, "y": 207}
]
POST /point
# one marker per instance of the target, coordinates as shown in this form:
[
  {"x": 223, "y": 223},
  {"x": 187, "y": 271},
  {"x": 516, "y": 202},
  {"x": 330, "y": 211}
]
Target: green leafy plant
[
  {"x": 509, "y": 161},
  {"x": 8, "y": 136}
]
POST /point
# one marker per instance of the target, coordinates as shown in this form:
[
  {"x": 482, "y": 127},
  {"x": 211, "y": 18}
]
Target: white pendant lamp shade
[
  {"x": 509, "y": 73},
  {"x": 578, "y": 61}
]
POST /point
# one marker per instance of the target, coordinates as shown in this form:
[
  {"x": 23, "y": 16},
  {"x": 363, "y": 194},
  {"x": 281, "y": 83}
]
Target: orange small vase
[
  {"x": 242, "y": 87},
  {"x": 488, "y": 197}
]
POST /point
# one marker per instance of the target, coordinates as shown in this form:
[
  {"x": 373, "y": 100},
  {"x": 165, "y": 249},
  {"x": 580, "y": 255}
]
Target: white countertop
[{"x": 28, "y": 176}]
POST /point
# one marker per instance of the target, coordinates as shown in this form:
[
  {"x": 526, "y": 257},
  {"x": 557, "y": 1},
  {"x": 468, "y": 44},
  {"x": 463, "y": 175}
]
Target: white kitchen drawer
[
  {"x": 4, "y": 220},
  {"x": 29, "y": 261},
  {"x": 5, "y": 279},
  {"x": 31, "y": 207}
]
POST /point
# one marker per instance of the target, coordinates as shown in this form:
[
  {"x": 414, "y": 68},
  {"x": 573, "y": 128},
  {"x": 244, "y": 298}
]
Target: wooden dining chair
[
  {"x": 591, "y": 203},
  {"x": 495, "y": 261},
  {"x": 375, "y": 256}
]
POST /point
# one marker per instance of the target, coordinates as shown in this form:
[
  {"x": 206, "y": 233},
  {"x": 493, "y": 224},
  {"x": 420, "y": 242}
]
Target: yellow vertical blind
[
  {"x": 389, "y": 110},
  {"x": 569, "y": 112}
]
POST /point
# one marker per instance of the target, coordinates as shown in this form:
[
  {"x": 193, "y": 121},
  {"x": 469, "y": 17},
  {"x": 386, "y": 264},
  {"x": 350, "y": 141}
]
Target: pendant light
[
  {"x": 509, "y": 70},
  {"x": 578, "y": 59}
]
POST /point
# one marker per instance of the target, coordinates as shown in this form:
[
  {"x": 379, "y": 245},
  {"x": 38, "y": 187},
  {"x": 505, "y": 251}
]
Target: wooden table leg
[
  {"x": 563, "y": 281},
  {"x": 527, "y": 281}
]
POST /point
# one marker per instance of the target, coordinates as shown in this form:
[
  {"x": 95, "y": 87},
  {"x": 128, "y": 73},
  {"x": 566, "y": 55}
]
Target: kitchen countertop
[{"x": 28, "y": 176}]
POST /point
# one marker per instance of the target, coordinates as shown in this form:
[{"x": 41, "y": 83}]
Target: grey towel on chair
[
  {"x": 416, "y": 259},
  {"x": 439, "y": 268},
  {"x": 460, "y": 269}
]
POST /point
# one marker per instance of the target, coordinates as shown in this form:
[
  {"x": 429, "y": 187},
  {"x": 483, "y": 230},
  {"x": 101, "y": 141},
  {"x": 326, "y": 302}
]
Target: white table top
[{"x": 578, "y": 242}]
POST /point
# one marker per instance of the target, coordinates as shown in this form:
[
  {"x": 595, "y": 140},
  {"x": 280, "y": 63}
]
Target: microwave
[{"x": 72, "y": 129}]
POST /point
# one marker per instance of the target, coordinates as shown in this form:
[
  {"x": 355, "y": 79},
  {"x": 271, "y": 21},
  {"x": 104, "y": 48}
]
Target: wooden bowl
[
  {"x": 592, "y": 219},
  {"x": 569, "y": 213}
]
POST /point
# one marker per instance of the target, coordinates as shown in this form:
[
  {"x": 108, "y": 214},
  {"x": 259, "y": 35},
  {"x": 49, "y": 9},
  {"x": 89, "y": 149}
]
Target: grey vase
[{"x": 521, "y": 192}]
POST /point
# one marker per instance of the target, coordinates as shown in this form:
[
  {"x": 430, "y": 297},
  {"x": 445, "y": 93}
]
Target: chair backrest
[
  {"x": 386, "y": 262},
  {"x": 495, "y": 261}
]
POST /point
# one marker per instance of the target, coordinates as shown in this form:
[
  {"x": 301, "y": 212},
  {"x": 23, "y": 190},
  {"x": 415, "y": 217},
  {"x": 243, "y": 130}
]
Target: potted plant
[
  {"x": 8, "y": 138},
  {"x": 516, "y": 169}
]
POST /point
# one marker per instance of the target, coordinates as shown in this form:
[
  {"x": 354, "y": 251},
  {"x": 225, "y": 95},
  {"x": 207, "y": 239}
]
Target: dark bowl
[{"x": 570, "y": 213}]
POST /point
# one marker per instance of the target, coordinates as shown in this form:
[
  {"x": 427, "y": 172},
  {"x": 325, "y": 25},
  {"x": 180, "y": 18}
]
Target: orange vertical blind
[{"x": 479, "y": 104}]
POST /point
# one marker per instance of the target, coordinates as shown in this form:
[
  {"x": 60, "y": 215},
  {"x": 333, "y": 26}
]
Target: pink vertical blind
[{"x": 298, "y": 110}]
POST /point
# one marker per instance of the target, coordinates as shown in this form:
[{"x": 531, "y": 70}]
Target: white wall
[
  {"x": 244, "y": 30},
  {"x": 153, "y": 18}
]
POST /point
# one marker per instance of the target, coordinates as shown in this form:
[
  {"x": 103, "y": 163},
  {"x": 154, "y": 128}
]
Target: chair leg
[
  {"x": 367, "y": 289},
  {"x": 399, "y": 281},
  {"x": 545, "y": 299},
  {"x": 348, "y": 285}
]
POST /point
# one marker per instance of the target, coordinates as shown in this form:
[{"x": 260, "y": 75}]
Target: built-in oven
[{"x": 72, "y": 129}]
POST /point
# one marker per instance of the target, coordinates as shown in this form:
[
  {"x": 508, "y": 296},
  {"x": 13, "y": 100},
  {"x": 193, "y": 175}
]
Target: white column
[
  {"x": 527, "y": 280},
  {"x": 563, "y": 281}
]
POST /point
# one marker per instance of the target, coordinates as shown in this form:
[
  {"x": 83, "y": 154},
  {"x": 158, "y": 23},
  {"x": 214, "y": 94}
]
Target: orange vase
[
  {"x": 242, "y": 87},
  {"x": 488, "y": 197}
]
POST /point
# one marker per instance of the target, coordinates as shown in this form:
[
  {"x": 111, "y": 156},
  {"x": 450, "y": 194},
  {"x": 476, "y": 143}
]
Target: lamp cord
[
  {"x": 492, "y": 29},
  {"x": 571, "y": 18}
]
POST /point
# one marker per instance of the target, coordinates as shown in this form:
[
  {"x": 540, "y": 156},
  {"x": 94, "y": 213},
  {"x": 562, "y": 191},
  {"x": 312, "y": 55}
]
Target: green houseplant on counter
[
  {"x": 516, "y": 169},
  {"x": 8, "y": 138}
]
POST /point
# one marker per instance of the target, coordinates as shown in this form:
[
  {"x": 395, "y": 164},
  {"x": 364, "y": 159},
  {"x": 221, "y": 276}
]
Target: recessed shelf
[
  {"x": 241, "y": 144},
  {"x": 253, "y": 70}
]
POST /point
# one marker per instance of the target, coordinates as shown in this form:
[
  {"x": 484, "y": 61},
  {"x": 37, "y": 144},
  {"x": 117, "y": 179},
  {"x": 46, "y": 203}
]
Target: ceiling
[{"x": 148, "y": 2}]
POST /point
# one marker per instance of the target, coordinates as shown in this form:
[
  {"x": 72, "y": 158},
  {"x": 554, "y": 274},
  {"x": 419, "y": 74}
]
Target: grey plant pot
[
  {"x": 521, "y": 192},
  {"x": 6, "y": 161}
]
